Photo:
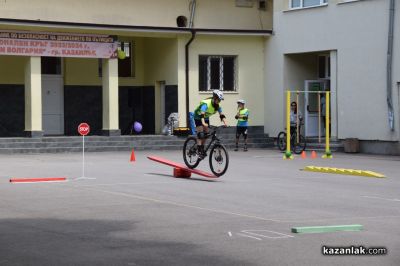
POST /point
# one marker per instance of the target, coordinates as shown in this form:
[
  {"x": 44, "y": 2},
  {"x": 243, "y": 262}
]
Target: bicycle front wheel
[
  {"x": 281, "y": 141},
  {"x": 190, "y": 156},
  {"x": 219, "y": 160},
  {"x": 300, "y": 146}
]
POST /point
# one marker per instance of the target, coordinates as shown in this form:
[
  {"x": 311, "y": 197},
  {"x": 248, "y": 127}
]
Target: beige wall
[
  {"x": 210, "y": 13},
  {"x": 81, "y": 71},
  {"x": 157, "y": 56},
  {"x": 224, "y": 14},
  {"x": 250, "y": 56},
  {"x": 155, "y": 59},
  {"x": 160, "y": 60},
  {"x": 84, "y": 71},
  {"x": 12, "y": 69}
]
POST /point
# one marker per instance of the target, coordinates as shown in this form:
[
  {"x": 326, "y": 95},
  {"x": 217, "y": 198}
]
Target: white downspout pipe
[{"x": 389, "y": 67}]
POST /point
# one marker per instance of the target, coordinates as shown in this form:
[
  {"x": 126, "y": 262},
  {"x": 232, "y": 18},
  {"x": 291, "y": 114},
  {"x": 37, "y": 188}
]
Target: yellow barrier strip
[{"x": 343, "y": 171}]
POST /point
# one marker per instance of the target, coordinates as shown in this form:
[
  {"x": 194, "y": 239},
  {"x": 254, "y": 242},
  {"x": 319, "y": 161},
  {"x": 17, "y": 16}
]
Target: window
[
  {"x": 51, "y": 65},
  {"x": 217, "y": 72},
  {"x": 125, "y": 66},
  {"x": 306, "y": 3}
]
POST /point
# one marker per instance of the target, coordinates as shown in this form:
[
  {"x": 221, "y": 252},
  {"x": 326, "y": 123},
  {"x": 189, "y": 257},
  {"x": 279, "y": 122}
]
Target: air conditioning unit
[
  {"x": 262, "y": 4},
  {"x": 244, "y": 3}
]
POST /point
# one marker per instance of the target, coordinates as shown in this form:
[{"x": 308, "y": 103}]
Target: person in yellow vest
[
  {"x": 202, "y": 113},
  {"x": 242, "y": 117}
]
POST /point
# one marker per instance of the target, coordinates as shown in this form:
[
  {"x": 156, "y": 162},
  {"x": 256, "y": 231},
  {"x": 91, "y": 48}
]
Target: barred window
[
  {"x": 125, "y": 66},
  {"x": 217, "y": 72}
]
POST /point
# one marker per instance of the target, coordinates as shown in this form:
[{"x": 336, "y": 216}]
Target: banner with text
[{"x": 57, "y": 44}]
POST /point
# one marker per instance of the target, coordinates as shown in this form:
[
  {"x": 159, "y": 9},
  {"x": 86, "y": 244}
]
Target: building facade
[
  {"x": 176, "y": 52},
  {"x": 212, "y": 44},
  {"x": 341, "y": 46}
]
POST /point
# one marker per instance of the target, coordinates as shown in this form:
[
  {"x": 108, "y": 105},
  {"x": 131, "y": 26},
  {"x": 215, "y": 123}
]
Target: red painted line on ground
[{"x": 43, "y": 179}]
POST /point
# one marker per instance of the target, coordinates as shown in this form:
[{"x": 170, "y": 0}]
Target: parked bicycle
[
  {"x": 297, "y": 143},
  {"x": 218, "y": 159}
]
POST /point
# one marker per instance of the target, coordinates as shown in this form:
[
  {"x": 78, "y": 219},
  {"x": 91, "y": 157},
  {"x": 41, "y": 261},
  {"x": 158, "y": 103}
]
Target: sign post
[{"x": 83, "y": 130}]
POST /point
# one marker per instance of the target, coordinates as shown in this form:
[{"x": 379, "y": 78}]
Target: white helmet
[
  {"x": 241, "y": 101},
  {"x": 219, "y": 94}
]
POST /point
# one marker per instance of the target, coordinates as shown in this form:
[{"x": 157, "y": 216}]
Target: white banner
[{"x": 57, "y": 44}]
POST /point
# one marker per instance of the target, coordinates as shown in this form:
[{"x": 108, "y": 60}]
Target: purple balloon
[{"x": 137, "y": 127}]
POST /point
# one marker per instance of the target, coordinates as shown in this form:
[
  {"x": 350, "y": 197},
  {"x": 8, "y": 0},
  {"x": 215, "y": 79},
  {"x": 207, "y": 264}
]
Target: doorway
[
  {"x": 312, "y": 106},
  {"x": 52, "y": 96}
]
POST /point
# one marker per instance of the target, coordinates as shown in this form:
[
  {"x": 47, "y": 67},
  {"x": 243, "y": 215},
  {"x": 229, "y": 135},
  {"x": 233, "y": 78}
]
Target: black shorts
[
  {"x": 198, "y": 123},
  {"x": 240, "y": 131}
]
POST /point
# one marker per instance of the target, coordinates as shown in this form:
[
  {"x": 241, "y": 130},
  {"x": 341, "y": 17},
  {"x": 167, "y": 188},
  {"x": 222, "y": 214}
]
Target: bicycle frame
[
  {"x": 214, "y": 139},
  {"x": 293, "y": 133},
  {"x": 218, "y": 159}
]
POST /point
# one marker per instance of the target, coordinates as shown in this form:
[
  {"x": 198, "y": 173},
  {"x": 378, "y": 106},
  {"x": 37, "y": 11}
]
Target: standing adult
[{"x": 242, "y": 117}]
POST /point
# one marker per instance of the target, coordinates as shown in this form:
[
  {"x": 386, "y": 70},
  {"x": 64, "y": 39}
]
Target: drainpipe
[
  {"x": 389, "y": 67},
  {"x": 193, "y": 31},
  {"x": 193, "y": 10}
]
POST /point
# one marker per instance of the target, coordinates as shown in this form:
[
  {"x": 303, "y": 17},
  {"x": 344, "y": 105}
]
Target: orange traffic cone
[
  {"x": 303, "y": 154},
  {"x": 313, "y": 155},
  {"x": 133, "y": 156}
]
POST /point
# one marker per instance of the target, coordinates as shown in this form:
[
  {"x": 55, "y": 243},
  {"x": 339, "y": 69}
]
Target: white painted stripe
[
  {"x": 182, "y": 205},
  {"x": 251, "y": 232},
  {"x": 84, "y": 177},
  {"x": 234, "y": 213},
  {"x": 339, "y": 219},
  {"x": 116, "y": 184},
  {"x": 249, "y": 236},
  {"x": 374, "y": 197}
]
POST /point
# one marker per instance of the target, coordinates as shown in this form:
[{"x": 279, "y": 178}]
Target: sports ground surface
[{"x": 136, "y": 213}]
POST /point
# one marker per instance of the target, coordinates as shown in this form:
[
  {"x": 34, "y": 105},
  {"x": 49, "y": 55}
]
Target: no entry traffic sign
[{"x": 83, "y": 129}]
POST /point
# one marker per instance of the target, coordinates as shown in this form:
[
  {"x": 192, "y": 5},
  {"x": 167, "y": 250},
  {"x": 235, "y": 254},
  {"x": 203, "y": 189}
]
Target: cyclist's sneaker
[
  {"x": 245, "y": 148},
  {"x": 202, "y": 155}
]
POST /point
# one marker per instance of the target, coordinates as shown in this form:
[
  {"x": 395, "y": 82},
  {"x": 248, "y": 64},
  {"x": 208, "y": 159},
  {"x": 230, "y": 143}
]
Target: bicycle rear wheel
[
  {"x": 190, "y": 156},
  {"x": 299, "y": 147},
  {"x": 281, "y": 141},
  {"x": 219, "y": 160}
]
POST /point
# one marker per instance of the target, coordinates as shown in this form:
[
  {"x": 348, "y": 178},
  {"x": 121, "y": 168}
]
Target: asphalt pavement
[{"x": 137, "y": 213}]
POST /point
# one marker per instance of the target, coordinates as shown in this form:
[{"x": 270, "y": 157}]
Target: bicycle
[
  {"x": 219, "y": 158},
  {"x": 298, "y": 145}
]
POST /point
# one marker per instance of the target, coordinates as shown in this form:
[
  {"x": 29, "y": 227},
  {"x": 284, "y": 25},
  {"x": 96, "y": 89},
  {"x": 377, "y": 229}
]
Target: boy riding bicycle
[{"x": 202, "y": 113}]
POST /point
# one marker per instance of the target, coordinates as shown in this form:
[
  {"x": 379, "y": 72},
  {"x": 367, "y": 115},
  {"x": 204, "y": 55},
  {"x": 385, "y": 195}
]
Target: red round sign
[{"x": 83, "y": 129}]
